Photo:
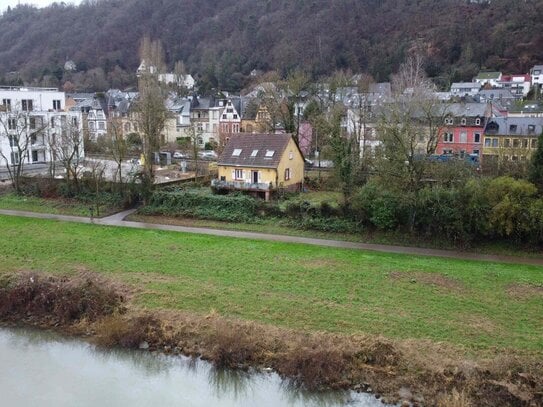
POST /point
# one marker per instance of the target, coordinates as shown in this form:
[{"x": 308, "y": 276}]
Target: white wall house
[
  {"x": 519, "y": 85},
  {"x": 491, "y": 78},
  {"x": 230, "y": 118},
  {"x": 205, "y": 116},
  {"x": 168, "y": 77},
  {"x": 465, "y": 88},
  {"x": 537, "y": 75},
  {"x": 33, "y": 124},
  {"x": 94, "y": 117},
  {"x": 364, "y": 129}
]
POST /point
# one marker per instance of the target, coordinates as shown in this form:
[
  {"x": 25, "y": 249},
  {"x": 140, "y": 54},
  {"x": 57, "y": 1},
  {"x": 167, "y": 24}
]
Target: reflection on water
[{"x": 41, "y": 368}]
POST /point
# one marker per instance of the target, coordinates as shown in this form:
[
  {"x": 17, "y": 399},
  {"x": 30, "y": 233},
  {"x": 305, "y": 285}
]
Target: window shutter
[{"x": 233, "y": 174}]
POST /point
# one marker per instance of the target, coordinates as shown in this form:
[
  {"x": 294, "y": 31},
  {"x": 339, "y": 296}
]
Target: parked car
[
  {"x": 208, "y": 155},
  {"x": 180, "y": 155}
]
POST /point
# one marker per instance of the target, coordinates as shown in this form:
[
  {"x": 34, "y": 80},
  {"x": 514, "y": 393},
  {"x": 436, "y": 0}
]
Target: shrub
[
  {"x": 508, "y": 199},
  {"x": 60, "y": 299},
  {"x": 379, "y": 207},
  {"x": 440, "y": 212},
  {"x": 217, "y": 207}
]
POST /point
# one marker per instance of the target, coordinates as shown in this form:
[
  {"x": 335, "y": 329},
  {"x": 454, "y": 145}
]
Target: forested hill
[{"x": 224, "y": 41}]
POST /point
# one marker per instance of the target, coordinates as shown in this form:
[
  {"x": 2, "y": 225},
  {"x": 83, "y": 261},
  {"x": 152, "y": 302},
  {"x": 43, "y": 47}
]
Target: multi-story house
[
  {"x": 260, "y": 164},
  {"x": 35, "y": 128},
  {"x": 95, "y": 113},
  {"x": 519, "y": 85},
  {"x": 462, "y": 89},
  {"x": 511, "y": 138},
  {"x": 205, "y": 116},
  {"x": 463, "y": 129},
  {"x": 537, "y": 75},
  {"x": 178, "y": 125},
  {"x": 230, "y": 119}
]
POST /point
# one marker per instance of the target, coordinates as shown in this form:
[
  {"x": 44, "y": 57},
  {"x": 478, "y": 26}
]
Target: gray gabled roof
[
  {"x": 466, "y": 85},
  {"x": 467, "y": 109},
  {"x": 496, "y": 94},
  {"x": 525, "y": 126},
  {"x": 249, "y": 143}
]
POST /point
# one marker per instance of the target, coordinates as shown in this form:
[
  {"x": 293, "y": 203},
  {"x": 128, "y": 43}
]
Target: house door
[{"x": 255, "y": 177}]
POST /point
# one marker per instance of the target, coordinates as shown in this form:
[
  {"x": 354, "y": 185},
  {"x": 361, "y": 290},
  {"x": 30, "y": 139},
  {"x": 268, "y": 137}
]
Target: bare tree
[
  {"x": 150, "y": 111},
  {"x": 180, "y": 72},
  {"x": 409, "y": 127},
  {"x": 194, "y": 137},
  {"x": 118, "y": 148},
  {"x": 409, "y": 131},
  {"x": 67, "y": 149},
  {"x": 96, "y": 176},
  {"x": 19, "y": 130}
]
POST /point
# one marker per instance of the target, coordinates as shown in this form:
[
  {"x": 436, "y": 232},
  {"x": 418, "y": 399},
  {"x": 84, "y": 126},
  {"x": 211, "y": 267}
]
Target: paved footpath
[{"x": 118, "y": 220}]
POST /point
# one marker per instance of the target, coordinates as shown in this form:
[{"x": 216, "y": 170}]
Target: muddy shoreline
[{"x": 405, "y": 372}]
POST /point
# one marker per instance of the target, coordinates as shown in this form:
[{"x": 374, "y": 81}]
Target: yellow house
[
  {"x": 511, "y": 139},
  {"x": 260, "y": 164}
]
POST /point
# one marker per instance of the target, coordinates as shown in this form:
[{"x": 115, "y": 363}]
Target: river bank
[{"x": 417, "y": 372}]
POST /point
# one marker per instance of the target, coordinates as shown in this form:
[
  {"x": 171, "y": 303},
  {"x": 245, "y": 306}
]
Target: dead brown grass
[
  {"x": 433, "y": 279},
  {"x": 524, "y": 291},
  {"x": 454, "y": 399},
  {"x": 321, "y": 263},
  {"x": 61, "y": 300}
]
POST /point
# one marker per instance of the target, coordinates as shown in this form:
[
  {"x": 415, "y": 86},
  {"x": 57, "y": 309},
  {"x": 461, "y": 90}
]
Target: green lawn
[
  {"x": 482, "y": 306},
  {"x": 42, "y": 205}
]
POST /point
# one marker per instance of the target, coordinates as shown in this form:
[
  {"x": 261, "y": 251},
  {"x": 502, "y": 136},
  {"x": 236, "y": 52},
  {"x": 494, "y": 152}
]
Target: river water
[{"x": 42, "y": 369}]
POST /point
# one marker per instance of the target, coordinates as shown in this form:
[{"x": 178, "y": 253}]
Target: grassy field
[
  {"x": 480, "y": 306},
  {"x": 41, "y": 205}
]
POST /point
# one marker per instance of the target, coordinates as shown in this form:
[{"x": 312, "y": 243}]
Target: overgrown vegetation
[
  {"x": 56, "y": 300},
  {"x": 296, "y": 213},
  {"x": 481, "y": 209},
  {"x": 61, "y": 197}
]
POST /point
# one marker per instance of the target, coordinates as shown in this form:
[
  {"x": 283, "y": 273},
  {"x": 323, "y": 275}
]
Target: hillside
[{"x": 223, "y": 42}]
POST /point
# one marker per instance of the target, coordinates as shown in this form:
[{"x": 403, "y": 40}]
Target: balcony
[{"x": 241, "y": 185}]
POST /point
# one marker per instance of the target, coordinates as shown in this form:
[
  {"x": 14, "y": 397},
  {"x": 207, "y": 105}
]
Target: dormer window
[
  {"x": 254, "y": 153},
  {"x": 463, "y": 121},
  {"x": 449, "y": 121},
  {"x": 237, "y": 152},
  {"x": 477, "y": 122},
  {"x": 512, "y": 128},
  {"x": 269, "y": 153},
  {"x": 531, "y": 128}
]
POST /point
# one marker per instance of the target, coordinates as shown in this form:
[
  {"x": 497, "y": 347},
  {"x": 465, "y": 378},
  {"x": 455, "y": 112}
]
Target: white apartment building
[{"x": 34, "y": 127}]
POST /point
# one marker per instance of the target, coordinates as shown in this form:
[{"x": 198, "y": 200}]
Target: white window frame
[{"x": 287, "y": 174}]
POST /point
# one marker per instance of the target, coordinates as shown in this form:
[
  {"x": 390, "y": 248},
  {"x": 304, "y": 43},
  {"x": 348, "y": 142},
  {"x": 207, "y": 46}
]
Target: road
[{"x": 118, "y": 220}]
